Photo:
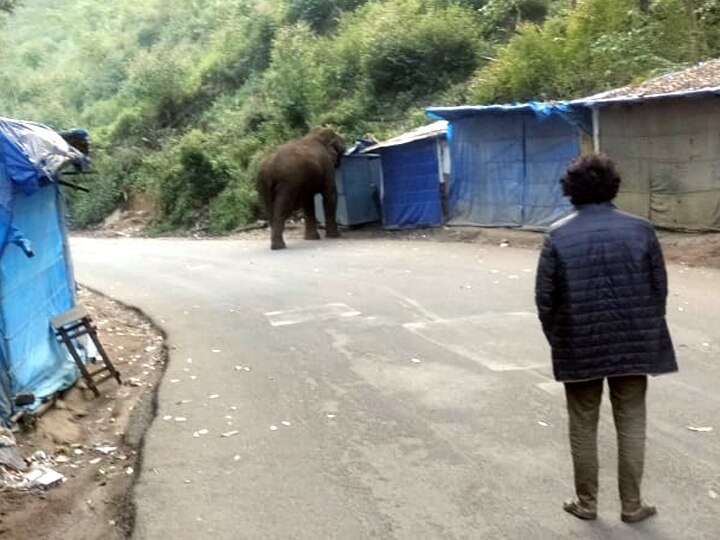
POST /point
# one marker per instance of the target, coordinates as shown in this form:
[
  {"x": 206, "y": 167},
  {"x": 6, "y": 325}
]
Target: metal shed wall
[{"x": 668, "y": 153}]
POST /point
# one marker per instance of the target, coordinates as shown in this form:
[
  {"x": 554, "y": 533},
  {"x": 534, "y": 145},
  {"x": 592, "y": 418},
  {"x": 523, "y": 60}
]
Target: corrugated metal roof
[
  {"x": 436, "y": 129},
  {"x": 696, "y": 81}
]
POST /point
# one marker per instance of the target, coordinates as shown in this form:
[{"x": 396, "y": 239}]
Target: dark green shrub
[
  {"x": 321, "y": 15},
  {"x": 234, "y": 207},
  {"x": 185, "y": 190}
]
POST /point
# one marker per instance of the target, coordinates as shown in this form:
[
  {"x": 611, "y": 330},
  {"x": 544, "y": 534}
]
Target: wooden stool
[{"x": 76, "y": 323}]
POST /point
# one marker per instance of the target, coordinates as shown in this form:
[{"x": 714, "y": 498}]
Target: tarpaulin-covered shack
[
  {"x": 664, "y": 135},
  {"x": 506, "y": 161},
  {"x": 357, "y": 181},
  {"x": 36, "y": 281},
  {"x": 414, "y": 167}
]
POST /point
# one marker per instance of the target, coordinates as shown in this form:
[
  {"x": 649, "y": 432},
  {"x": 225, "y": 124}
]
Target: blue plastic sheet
[
  {"x": 32, "y": 291},
  {"x": 549, "y": 147},
  {"x": 35, "y": 274},
  {"x": 487, "y": 171},
  {"x": 506, "y": 162},
  {"x": 357, "y": 181},
  {"x": 411, "y": 185},
  {"x": 572, "y": 112}
]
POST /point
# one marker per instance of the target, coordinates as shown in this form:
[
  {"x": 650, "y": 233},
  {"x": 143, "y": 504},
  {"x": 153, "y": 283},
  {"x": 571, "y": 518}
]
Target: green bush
[
  {"x": 528, "y": 68},
  {"x": 499, "y": 18},
  {"x": 367, "y": 73},
  {"x": 88, "y": 209},
  {"x": 238, "y": 52},
  {"x": 599, "y": 45},
  {"x": 321, "y": 15},
  {"x": 436, "y": 48},
  {"x": 186, "y": 187},
  {"x": 234, "y": 207},
  {"x": 294, "y": 79},
  {"x": 8, "y": 5}
]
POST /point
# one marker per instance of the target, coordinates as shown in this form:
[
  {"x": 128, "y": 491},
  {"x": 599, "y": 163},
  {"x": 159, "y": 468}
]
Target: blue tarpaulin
[
  {"x": 411, "y": 185},
  {"x": 357, "y": 181},
  {"x": 36, "y": 280},
  {"x": 506, "y": 162},
  {"x": 411, "y": 176}
]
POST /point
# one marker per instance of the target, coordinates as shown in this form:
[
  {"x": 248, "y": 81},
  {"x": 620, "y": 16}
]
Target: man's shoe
[
  {"x": 579, "y": 511},
  {"x": 645, "y": 511}
]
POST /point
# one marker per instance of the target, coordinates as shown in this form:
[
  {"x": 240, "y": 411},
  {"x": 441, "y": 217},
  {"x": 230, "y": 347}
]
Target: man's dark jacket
[{"x": 601, "y": 292}]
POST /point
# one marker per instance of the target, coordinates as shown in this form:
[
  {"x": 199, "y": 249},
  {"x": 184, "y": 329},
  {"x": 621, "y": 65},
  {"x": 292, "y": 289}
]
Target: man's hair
[{"x": 591, "y": 179}]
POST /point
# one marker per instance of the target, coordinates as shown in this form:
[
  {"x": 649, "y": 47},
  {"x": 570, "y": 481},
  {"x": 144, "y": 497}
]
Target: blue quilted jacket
[{"x": 600, "y": 292}]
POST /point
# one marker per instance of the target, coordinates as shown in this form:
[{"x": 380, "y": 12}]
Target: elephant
[{"x": 289, "y": 178}]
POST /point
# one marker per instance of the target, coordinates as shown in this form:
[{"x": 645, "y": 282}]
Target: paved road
[{"x": 396, "y": 391}]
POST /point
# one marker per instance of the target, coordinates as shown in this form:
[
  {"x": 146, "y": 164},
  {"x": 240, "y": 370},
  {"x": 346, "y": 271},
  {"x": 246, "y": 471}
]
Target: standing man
[{"x": 601, "y": 292}]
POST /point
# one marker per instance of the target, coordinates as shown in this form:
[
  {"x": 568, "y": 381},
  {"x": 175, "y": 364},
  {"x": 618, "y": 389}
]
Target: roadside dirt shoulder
[
  {"x": 692, "y": 249},
  {"x": 95, "y": 443}
]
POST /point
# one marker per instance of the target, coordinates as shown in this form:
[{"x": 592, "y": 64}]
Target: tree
[
  {"x": 500, "y": 18},
  {"x": 321, "y": 15},
  {"x": 8, "y": 5}
]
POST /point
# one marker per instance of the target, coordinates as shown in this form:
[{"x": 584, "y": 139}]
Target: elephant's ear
[{"x": 332, "y": 141}]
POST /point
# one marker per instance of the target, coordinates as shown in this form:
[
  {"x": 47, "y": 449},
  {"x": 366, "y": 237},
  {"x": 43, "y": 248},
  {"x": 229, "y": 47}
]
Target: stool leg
[
  {"x": 106, "y": 359},
  {"x": 78, "y": 361}
]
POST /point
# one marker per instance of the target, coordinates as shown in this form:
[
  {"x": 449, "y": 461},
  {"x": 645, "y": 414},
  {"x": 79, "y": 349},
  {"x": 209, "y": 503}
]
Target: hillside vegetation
[{"x": 184, "y": 97}]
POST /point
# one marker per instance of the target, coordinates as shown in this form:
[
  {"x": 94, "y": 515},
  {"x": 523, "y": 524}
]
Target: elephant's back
[{"x": 297, "y": 157}]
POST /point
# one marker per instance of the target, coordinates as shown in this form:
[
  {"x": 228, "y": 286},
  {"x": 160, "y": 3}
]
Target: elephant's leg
[
  {"x": 330, "y": 207},
  {"x": 311, "y": 232},
  {"x": 281, "y": 210},
  {"x": 276, "y": 233}
]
